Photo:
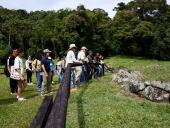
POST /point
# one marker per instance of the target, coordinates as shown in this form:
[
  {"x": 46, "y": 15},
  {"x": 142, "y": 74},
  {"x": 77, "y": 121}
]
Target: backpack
[{"x": 6, "y": 72}]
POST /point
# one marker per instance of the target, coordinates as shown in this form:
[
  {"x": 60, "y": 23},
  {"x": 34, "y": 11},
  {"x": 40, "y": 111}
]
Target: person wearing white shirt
[
  {"x": 70, "y": 58},
  {"x": 29, "y": 70},
  {"x": 18, "y": 66},
  {"x": 80, "y": 70}
]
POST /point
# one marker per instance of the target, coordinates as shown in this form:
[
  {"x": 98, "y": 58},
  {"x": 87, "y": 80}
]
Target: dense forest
[{"x": 139, "y": 28}]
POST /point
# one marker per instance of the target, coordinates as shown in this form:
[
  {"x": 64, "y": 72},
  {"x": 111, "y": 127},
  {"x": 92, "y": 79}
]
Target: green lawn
[
  {"x": 151, "y": 69},
  {"x": 98, "y": 104},
  {"x": 14, "y": 114},
  {"x": 102, "y": 104}
]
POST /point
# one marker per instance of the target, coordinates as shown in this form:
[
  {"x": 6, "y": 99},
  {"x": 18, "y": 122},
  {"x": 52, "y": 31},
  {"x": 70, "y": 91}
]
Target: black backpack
[{"x": 6, "y": 72}]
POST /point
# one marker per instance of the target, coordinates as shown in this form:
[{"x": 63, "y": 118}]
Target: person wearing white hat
[
  {"x": 80, "y": 70},
  {"x": 70, "y": 58}
]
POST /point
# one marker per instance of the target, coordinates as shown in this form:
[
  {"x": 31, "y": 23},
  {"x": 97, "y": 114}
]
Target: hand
[
  {"x": 22, "y": 78},
  {"x": 46, "y": 74}
]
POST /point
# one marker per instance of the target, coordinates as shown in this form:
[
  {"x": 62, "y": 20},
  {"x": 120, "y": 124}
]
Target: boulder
[
  {"x": 132, "y": 81},
  {"x": 135, "y": 87},
  {"x": 159, "y": 84},
  {"x": 155, "y": 94}
]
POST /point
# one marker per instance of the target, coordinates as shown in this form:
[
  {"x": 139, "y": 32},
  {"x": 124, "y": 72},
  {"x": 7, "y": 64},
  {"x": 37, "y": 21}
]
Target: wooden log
[
  {"x": 43, "y": 113},
  {"x": 57, "y": 117}
]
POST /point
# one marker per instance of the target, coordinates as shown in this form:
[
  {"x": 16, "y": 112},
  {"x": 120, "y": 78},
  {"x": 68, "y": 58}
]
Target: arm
[
  {"x": 17, "y": 68},
  {"x": 20, "y": 75},
  {"x": 27, "y": 65},
  {"x": 54, "y": 68},
  {"x": 74, "y": 59},
  {"x": 33, "y": 64},
  {"x": 43, "y": 68},
  {"x": 9, "y": 67}
]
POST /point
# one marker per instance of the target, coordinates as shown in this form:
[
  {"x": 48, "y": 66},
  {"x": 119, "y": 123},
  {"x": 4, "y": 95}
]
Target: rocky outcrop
[{"x": 133, "y": 82}]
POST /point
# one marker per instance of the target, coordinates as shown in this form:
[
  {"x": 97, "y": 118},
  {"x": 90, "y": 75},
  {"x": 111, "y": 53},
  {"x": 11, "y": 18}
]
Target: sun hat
[
  {"x": 84, "y": 48},
  {"x": 46, "y": 51},
  {"x": 72, "y": 46}
]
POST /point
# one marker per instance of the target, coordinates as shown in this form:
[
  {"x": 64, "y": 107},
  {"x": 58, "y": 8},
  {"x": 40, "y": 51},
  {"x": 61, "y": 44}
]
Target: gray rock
[
  {"x": 159, "y": 84},
  {"x": 136, "y": 87},
  {"x": 132, "y": 81},
  {"x": 147, "y": 83},
  {"x": 155, "y": 94}
]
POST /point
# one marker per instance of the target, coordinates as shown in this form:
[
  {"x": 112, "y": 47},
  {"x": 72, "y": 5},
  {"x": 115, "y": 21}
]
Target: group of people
[
  {"x": 44, "y": 68},
  {"x": 92, "y": 65}
]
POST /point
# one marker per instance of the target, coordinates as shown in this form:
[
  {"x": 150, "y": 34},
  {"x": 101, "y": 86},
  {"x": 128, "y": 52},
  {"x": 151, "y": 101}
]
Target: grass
[
  {"x": 98, "y": 104},
  {"x": 18, "y": 114},
  {"x": 151, "y": 69},
  {"x": 101, "y": 104}
]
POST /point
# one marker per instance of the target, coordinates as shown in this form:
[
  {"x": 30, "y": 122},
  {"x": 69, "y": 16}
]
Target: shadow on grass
[
  {"x": 32, "y": 96},
  {"x": 80, "y": 108},
  {"x": 7, "y": 101}
]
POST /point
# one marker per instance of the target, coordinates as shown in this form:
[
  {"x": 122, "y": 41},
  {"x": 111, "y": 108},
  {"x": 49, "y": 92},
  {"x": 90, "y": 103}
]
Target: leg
[
  {"x": 11, "y": 85},
  {"x": 30, "y": 76},
  {"x": 15, "y": 85},
  {"x": 39, "y": 81},
  {"x": 48, "y": 82},
  {"x": 27, "y": 75},
  {"x": 73, "y": 77},
  {"x": 78, "y": 74},
  {"x": 19, "y": 92},
  {"x": 52, "y": 73}
]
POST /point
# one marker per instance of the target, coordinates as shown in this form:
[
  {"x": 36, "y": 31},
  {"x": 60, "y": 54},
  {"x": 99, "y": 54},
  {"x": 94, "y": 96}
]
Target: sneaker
[
  {"x": 28, "y": 83},
  {"x": 21, "y": 99},
  {"x": 17, "y": 97}
]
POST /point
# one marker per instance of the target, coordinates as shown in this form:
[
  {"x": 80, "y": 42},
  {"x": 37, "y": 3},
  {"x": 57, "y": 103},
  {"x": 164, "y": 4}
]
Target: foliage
[{"x": 139, "y": 28}]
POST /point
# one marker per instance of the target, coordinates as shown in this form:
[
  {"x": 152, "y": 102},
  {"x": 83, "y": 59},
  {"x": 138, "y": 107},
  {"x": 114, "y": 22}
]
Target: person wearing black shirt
[
  {"x": 29, "y": 70},
  {"x": 10, "y": 62},
  {"x": 45, "y": 62}
]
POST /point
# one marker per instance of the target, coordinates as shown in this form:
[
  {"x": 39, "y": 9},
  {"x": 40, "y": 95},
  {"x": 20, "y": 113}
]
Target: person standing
[
  {"x": 19, "y": 74},
  {"x": 59, "y": 69},
  {"x": 10, "y": 63},
  {"x": 70, "y": 58},
  {"x": 51, "y": 69},
  {"x": 81, "y": 71},
  {"x": 37, "y": 68},
  {"x": 45, "y": 64},
  {"x": 29, "y": 70},
  {"x": 90, "y": 64}
]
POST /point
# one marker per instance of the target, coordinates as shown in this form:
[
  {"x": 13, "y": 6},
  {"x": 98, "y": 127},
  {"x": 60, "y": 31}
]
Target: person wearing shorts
[{"x": 19, "y": 69}]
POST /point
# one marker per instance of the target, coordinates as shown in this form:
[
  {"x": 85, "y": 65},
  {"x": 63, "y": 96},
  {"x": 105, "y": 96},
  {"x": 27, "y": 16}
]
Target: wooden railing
[{"x": 53, "y": 114}]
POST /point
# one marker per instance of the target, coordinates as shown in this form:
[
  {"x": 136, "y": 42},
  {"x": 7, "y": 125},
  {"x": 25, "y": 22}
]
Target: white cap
[
  {"x": 84, "y": 48},
  {"x": 72, "y": 46},
  {"x": 46, "y": 51}
]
